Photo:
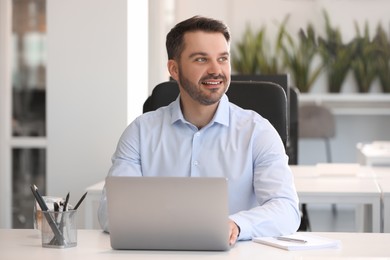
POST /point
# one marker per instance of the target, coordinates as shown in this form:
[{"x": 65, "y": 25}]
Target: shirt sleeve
[
  {"x": 125, "y": 162},
  {"x": 277, "y": 212}
]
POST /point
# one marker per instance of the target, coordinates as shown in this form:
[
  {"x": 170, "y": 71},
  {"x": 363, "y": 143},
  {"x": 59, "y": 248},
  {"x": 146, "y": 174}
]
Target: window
[{"x": 28, "y": 119}]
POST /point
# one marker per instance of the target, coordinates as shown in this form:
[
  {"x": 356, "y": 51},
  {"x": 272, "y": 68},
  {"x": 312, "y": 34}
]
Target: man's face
[{"x": 203, "y": 71}]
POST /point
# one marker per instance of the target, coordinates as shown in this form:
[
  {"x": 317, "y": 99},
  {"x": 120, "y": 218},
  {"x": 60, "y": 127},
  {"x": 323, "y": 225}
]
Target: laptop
[{"x": 168, "y": 213}]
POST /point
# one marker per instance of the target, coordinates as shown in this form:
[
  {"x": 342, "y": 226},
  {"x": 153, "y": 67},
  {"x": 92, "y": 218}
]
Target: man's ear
[{"x": 173, "y": 69}]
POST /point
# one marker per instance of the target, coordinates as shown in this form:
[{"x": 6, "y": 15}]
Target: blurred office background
[{"x": 74, "y": 73}]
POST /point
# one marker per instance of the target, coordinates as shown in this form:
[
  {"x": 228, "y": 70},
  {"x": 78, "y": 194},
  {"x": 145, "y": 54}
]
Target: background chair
[
  {"x": 317, "y": 122},
  {"x": 266, "y": 98}
]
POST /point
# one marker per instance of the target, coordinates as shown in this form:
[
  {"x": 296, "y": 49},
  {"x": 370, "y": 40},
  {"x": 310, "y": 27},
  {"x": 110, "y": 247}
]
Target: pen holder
[
  {"x": 37, "y": 213},
  {"x": 59, "y": 229}
]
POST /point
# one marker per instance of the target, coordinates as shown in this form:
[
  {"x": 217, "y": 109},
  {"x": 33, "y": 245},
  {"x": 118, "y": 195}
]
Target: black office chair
[
  {"x": 292, "y": 108},
  {"x": 292, "y": 143},
  {"x": 266, "y": 98}
]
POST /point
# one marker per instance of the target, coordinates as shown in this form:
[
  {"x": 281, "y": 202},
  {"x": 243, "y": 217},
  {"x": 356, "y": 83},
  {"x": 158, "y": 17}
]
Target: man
[{"x": 203, "y": 134}]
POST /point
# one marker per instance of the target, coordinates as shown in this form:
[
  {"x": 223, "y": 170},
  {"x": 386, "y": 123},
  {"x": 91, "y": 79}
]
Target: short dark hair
[{"x": 175, "y": 42}]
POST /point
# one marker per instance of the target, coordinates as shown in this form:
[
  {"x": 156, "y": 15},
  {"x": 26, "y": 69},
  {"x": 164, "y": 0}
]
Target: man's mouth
[{"x": 212, "y": 83}]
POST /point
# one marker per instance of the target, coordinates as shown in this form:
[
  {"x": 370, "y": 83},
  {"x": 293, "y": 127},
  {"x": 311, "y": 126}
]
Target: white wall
[
  {"x": 137, "y": 56},
  {"x": 96, "y": 83},
  {"x": 160, "y": 21}
]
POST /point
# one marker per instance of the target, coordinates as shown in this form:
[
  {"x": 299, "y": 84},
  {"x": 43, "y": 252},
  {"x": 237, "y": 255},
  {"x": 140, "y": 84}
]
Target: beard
[{"x": 204, "y": 97}]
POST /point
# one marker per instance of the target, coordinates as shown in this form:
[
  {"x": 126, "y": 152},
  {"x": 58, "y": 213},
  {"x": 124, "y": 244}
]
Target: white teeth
[{"x": 211, "y": 83}]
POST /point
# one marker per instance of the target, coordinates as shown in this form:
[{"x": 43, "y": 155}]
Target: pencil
[{"x": 81, "y": 200}]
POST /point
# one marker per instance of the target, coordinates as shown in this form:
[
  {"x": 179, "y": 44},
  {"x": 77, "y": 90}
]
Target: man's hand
[{"x": 233, "y": 232}]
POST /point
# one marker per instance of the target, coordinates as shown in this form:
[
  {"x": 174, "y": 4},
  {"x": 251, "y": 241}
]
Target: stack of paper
[{"x": 305, "y": 242}]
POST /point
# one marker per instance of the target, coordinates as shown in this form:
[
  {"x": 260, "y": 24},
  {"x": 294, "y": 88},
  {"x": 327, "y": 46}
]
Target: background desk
[
  {"x": 359, "y": 188},
  {"x": 347, "y": 191},
  {"x": 93, "y": 244},
  {"x": 383, "y": 178},
  {"x": 92, "y": 204}
]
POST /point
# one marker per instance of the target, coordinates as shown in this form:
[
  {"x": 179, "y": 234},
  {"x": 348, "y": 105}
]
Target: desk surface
[
  {"x": 94, "y": 244},
  {"x": 311, "y": 183},
  {"x": 337, "y": 170}
]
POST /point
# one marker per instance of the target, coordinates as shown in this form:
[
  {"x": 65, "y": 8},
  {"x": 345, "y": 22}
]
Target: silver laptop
[{"x": 168, "y": 213}]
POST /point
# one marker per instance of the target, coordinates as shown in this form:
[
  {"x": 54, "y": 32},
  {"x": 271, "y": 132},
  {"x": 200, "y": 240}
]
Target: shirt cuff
[{"x": 245, "y": 227}]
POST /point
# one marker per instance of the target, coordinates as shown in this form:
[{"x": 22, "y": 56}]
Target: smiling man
[{"x": 202, "y": 134}]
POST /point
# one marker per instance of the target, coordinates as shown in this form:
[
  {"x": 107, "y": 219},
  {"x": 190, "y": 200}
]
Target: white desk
[
  {"x": 92, "y": 204},
  {"x": 345, "y": 190},
  {"x": 93, "y": 244},
  {"x": 351, "y": 189},
  {"x": 385, "y": 187},
  {"x": 383, "y": 178}
]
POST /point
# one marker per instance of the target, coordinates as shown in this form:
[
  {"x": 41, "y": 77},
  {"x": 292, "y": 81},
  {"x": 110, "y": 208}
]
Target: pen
[
  {"x": 39, "y": 198},
  {"x": 61, "y": 224},
  {"x": 56, "y": 207},
  {"x": 66, "y": 202},
  {"x": 57, "y": 233},
  {"x": 81, "y": 200},
  {"x": 294, "y": 240}
]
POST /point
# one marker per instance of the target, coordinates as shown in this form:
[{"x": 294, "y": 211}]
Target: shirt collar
[{"x": 221, "y": 115}]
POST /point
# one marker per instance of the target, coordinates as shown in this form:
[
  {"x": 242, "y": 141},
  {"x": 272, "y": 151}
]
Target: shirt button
[
  {"x": 196, "y": 163},
  {"x": 197, "y": 134}
]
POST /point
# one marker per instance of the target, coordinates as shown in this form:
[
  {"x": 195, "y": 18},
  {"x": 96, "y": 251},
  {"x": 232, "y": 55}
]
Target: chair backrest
[
  {"x": 316, "y": 121},
  {"x": 266, "y": 98},
  {"x": 292, "y": 143},
  {"x": 292, "y": 108}
]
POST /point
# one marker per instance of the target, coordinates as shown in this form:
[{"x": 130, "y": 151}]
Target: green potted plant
[
  {"x": 383, "y": 59},
  {"x": 269, "y": 59},
  {"x": 255, "y": 55},
  {"x": 364, "y": 61},
  {"x": 336, "y": 56},
  {"x": 298, "y": 58},
  {"x": 244, "y": 58}
]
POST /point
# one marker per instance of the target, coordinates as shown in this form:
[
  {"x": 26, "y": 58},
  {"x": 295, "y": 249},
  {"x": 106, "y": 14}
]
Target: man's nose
[{"x": 214, "y": 68}]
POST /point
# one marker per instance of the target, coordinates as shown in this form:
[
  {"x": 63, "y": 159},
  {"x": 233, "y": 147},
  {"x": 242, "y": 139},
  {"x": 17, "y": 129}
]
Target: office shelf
[{"x": 351, "y": 104}]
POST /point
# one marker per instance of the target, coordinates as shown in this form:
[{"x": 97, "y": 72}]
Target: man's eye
[
  {"x": 200, "y": 59},
  {"x": 223, "y": 59}
]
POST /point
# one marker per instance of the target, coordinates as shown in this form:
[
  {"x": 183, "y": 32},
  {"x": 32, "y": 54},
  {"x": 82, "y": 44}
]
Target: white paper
[{"x": 313, "y": 242}]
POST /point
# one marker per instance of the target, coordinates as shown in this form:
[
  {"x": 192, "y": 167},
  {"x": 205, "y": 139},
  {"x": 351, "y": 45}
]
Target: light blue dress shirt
[{"x": 237, "y": 144}]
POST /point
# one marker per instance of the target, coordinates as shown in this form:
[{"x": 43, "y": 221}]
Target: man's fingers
[{"x": 233, "y": 232}]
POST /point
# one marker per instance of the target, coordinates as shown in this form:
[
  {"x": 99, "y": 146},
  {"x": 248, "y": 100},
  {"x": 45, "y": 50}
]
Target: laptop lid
[{"x": 168, "y": 213}]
